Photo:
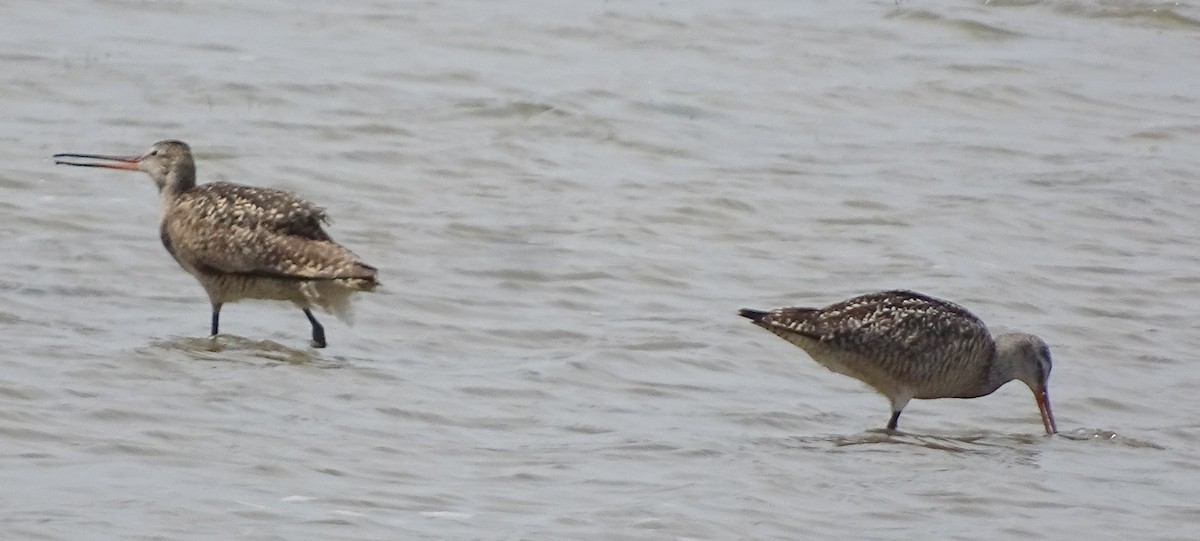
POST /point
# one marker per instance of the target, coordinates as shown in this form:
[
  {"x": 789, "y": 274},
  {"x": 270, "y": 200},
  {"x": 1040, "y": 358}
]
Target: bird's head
[
  {"x": 1028, "y": 359},
  {"x": 168, "y": 162}
]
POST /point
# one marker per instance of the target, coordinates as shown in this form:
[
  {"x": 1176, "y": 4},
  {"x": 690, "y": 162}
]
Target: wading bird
[
  {"x": 244, "y": 242},
  {"x": 907, "y": 345}
]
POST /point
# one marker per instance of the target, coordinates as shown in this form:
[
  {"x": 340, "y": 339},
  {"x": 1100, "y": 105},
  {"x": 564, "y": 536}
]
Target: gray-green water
[{"x": 568, "y": 201}]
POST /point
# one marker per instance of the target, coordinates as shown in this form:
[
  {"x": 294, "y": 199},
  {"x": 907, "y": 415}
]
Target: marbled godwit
[
  {"x": 907, "y": 345},
  {"x": 243, "y": 242}
]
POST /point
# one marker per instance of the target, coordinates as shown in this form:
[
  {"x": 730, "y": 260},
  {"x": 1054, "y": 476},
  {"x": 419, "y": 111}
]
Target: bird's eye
[{"x": 154, "y": 152}]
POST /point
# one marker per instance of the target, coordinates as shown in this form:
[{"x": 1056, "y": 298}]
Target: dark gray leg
[
  {"x": 895, "y": 420},
  {"x": 318, "y": 340},
  {"x": 216, "y": 319}
]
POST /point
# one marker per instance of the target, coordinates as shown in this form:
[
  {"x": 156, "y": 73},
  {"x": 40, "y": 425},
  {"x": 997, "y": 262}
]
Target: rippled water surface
[{"x": 568, "y": 202}]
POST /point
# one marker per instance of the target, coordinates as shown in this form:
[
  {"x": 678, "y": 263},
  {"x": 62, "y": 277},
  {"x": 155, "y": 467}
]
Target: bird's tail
[
  {"x": 791, "y": 324},
  {"x": 753, "y": 315},
  {"x": 360, "y": 277},
  {"x": 333, "y": 295}
]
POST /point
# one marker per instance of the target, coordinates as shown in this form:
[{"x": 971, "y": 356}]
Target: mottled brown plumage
[
  {"x": 907, "y": 345},
  {"x": 244, "y": 242}
]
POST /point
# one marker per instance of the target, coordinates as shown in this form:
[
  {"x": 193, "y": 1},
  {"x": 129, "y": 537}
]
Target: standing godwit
[
  {"x": 907, "y": 345},
  {"x": 243, "y": 242}
]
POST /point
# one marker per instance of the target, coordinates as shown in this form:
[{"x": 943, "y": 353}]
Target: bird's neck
[
  {"x": 177, "y": 182},
  {"x": 180, "y": 180},
  {"x": 1003, "y": 366}
]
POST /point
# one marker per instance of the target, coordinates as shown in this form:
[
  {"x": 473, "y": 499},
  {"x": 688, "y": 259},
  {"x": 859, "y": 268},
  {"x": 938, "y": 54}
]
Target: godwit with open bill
[
  {"x": 243, "y": 242},
  {"x": 907, "y": 345}
]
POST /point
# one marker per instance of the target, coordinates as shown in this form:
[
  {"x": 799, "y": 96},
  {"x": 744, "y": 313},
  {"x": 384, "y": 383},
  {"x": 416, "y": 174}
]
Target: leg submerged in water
[
  {"x": 318, "y": 332},
  {"x": 216, "y": 318}
]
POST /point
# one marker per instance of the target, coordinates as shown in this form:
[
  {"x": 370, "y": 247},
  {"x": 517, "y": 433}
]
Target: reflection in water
[
  {"x": 982, "y": 441},
  {"x": 232, "y": 348},
  {"x": 975, "y": 442}
]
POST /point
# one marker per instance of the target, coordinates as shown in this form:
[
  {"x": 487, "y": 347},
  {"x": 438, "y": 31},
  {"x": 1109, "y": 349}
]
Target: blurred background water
[{"x": 567, "y": 203}]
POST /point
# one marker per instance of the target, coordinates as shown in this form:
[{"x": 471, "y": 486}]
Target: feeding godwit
[
  {"x": 243, "y": 242},
  {"x": 907, "y": 345}
]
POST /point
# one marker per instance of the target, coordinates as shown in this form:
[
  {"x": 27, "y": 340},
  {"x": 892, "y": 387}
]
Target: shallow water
[{"x": 568, "y": 203}]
